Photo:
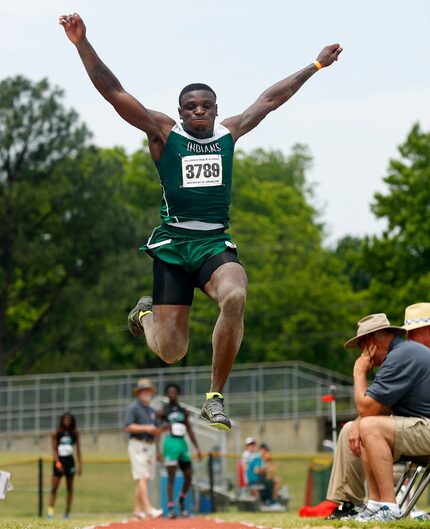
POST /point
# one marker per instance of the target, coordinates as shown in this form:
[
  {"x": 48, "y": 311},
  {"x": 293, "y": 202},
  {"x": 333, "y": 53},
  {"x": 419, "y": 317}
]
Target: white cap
[{"x": 250, "y": 441}]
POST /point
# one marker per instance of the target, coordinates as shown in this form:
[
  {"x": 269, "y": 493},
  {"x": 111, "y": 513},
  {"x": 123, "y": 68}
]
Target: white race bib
[
  {"x": 178, "y": 429},
  {"x": 65, "y": 450},
  {"x": 202, "y": 171}
]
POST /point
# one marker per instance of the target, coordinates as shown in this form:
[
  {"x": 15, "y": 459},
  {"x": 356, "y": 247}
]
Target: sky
[{"x": 352, "y": 115}]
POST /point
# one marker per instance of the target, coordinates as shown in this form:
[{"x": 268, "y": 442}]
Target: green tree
[
  {"x": 398, "y": 260},
  {"x": 349, "y": 251},
  {"x": 64, "y": 228}
]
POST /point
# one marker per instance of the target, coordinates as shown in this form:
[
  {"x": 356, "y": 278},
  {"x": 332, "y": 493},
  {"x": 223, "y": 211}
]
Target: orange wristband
[{"x": 318, "y": 65}]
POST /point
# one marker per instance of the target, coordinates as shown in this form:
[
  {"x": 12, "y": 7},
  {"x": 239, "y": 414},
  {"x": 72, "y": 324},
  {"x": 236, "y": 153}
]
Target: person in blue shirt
[
  {"x": 394, "y": 409},
  {"x": 254, "y": 467}
]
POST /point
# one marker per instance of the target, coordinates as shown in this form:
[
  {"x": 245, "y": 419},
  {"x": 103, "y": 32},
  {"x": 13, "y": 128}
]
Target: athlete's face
[
  {"x": 198, "y": 111},
  {"x": 67, "y": 421},
  {"x": 172, "y": 394}
]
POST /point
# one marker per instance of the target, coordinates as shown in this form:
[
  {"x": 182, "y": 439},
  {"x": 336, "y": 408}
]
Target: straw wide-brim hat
[
  {"x": 143, "y": 383},
  {"x": 416, "y": 316},
  {"x": 370, "y": 324}
]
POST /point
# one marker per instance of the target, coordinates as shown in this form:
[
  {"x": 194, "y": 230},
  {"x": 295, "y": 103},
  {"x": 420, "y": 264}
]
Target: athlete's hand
[
  {"x": 79, "y": 470},
  {"x": 329, "y": 54},
  {"x": 160, "y": 457},
  {"x": 354, "y": 438},
  {"x": 74, "y": 27},
  {"x": 199, "y": 455}
]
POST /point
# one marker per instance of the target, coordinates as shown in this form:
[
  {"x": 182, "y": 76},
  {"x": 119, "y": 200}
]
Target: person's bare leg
[
  {"x": 188, "y": 474},
  {"x": 371, "y": 482},
  {"x": 227, "y": 287},
  {"x": 143, "y": 484},
  {"x": 137, "y": 500},
  {"x": 55, "y": 482},
  {"x": 378, "y": 435},
  {"x": 166, "y": 331},
  {"x": 69, "y": 501},
  {"x": 171, "y": 473}
]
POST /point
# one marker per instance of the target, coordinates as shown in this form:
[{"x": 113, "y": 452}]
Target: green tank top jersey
[{"x": 196, "y": 176}]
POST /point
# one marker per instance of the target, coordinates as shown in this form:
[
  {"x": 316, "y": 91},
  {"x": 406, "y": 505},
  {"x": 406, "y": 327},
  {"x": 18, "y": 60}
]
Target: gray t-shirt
[
  {"x": 403, "y": 381},
  {"x": 138, "y": 413}
]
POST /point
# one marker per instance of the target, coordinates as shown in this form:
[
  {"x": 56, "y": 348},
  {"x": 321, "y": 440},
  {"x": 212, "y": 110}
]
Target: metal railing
[{"x": 98, "y": 399}]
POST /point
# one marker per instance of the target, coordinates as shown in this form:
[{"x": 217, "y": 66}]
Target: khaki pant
[
  {"x": 142, "y": 458},
  {"x": 347, "y": 476},
  {"x": 347, "y": 479},
  {"x": 412, "y": 437}
]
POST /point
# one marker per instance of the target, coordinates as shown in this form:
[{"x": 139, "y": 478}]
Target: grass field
[
  {"x": 37, "y": 523},
  {"x": 106, "y": 486},
  {"x": 292, "y": 521},
  {"x": 281, "y": 521},
  {"x": 104, "y": 493}
]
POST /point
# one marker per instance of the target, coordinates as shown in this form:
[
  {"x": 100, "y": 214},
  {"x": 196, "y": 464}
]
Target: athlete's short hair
[
  {"x": 172, "y": 385},
  {"x": 195, "y": 86}
]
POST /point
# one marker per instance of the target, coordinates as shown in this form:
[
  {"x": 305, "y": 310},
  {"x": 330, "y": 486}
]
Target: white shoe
[
  {"x": 385, "y": 514},
  {"x": 139, "y": 515},
  {"x": 155, "y": 513},
  {"x": 364, "y": 516}
]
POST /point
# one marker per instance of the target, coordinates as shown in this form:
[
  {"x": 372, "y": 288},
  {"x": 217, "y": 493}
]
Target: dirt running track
[{"x": 187, "y": 523}]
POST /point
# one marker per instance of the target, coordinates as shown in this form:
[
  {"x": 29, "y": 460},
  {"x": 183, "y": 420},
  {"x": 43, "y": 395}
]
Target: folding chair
[{"x": 413, "y": 481}]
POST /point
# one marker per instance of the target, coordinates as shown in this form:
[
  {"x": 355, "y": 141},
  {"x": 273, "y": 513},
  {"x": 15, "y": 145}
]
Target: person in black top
[
  {"x": 175, "y": 448},
  {"x": 63, "y": 440}
]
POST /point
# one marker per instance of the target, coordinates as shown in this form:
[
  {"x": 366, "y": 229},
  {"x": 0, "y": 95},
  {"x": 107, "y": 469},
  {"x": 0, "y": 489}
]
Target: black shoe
[
  {"x": 213, "y": 411},
  {"x": 345, "y": 509},
  {"x": 143, "y": 305},
  {"x": 171, "y": 514}
]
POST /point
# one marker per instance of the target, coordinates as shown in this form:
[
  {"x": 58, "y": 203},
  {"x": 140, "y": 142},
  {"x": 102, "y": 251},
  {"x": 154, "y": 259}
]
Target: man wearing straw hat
[
  {"x": 141, "y": 424},
  {"x": 417, "y": 323},
  {"x": 346, "y": 486},
  {"x": 394, "y": 410}
]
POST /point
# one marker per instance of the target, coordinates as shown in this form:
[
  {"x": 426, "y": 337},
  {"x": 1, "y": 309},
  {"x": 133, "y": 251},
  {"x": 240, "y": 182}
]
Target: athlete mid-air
[{"x": 191, "y": 248}]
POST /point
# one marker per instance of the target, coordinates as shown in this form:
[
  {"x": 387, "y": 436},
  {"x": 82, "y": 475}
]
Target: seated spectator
[
  {"x": 346, "y": 489},
  {"x": 246, "y": 454},
  {"x": 271, "y": 482},
  {"x": 254, "y": 465},
  {"x": 394, "y": 410}
]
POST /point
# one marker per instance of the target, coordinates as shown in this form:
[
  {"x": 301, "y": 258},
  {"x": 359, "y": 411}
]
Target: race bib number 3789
[{"x": 202, "y": 171}]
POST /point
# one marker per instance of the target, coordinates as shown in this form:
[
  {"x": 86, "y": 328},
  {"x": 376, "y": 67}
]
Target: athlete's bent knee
[
  {"x": 172, "y": 354},
  {"x": 234, "y": 302}
]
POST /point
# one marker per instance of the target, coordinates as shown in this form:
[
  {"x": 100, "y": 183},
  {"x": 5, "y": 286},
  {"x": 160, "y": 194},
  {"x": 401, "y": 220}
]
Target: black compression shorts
[
  {"x": 67, "y": 467},
  {"x": 173, "y": 285}
]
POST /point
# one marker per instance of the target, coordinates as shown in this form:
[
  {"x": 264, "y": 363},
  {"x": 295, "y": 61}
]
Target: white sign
[
  {"x": 202, "y": 171},
  {"x": 5, "y": 484},
  {"x": 178, "y": 429}
]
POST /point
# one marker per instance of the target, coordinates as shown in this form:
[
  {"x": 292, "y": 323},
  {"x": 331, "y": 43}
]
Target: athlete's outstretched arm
[
  {"x": 278, "y": 94},
  {"x": 155, "y": 124}
]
